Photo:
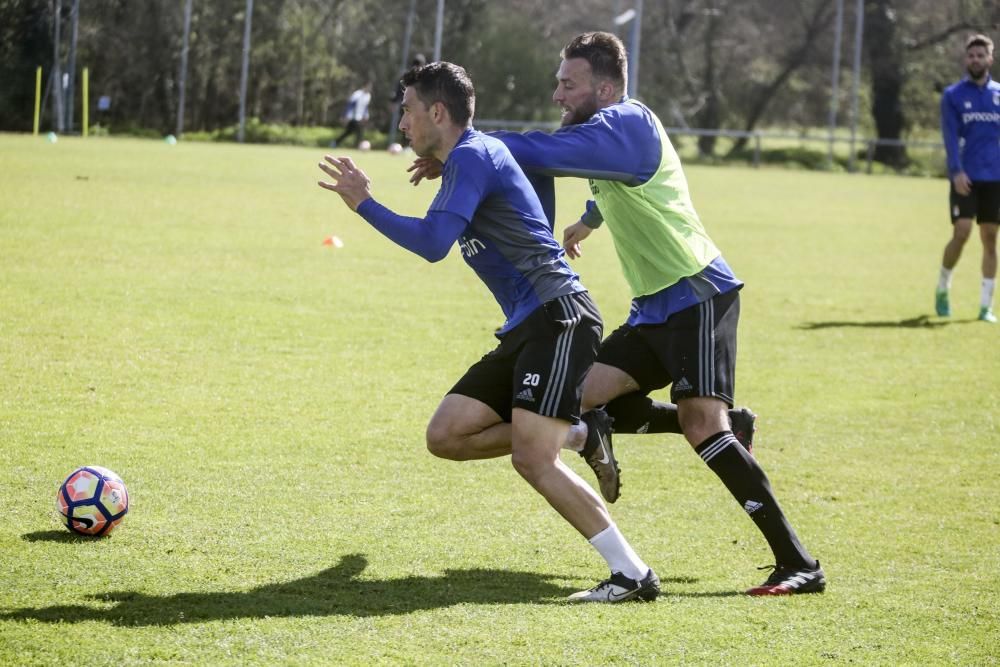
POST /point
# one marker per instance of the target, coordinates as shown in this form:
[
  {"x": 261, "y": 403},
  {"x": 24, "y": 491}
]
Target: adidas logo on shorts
[{"x": 525, "y": 395}]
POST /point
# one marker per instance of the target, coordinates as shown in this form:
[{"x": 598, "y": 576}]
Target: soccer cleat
[
  {"x": 619, "y": 588},
  {"x": 744, "y": 425},
  {"x": 787, "y": 580},
  {"x": 986, "y": 315},
  {"x": 941, "y": 304},
  {"x": 599, "y": 455}
]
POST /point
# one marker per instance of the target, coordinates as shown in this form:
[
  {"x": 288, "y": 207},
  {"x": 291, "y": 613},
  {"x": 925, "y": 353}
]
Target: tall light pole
[
  {"x": 835, "y": 78},
  {"x": 438, "y": 29},
  {"x": 74, "y": 20},
  {"x": 182, "y": 75},
  {"x": 57, "y": 84},
  {"x": 859, "y": 30},
  {"x": 635, "y": 16},
  {"x": 244, "y": 72}
]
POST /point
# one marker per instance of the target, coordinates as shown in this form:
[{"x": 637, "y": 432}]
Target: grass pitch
[{"x": 170, "y": 312}]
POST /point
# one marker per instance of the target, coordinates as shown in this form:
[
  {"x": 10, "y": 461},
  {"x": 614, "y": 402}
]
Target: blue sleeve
[
  {"x": 545, "y": 188},
  {"x": 430, "y": 237},
  {"x": 466, "y": 180},
  {"x": 950, "y": 122},
  {"x": 592, "y": 217},
  {"x": 609, "y": 147}
]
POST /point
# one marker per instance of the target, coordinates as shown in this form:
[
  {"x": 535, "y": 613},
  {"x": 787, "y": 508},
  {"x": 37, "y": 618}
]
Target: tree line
[{"x": 732, "y": 64}]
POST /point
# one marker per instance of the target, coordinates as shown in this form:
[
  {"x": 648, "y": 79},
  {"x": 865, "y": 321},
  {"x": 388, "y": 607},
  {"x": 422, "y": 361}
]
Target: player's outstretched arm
[{"x": 352, "y": 184}]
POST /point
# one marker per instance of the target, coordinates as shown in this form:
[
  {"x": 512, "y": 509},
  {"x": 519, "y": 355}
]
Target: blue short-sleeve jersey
[
  {"x": 508, "y": 241},
  {"x": 970, "y": 127}
]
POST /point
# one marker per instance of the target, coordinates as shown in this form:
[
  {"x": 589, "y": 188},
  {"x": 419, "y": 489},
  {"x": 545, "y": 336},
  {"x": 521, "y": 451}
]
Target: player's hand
[
  {"x": 572, "y": 236},
  {"x": 963, "y": 185},
  {"x": 425, "y": 167},
  {"x": 352, "y": 184}
]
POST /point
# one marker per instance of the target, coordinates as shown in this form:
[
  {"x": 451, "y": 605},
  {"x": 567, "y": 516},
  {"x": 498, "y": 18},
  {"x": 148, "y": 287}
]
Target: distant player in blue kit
[
  {"x": 970, "y": 125},
  {"x": 521, "y": 398}
]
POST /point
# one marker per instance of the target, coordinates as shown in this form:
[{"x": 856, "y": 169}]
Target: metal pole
[
  {"x": 438, "y": 28},
  {"x": 71, "y": 67},
  {"x": 859, "y": 29},
  {"x": 835, "y": 78},
  {"x": 182, "y": 77},
  {"x": 407, "y": 38},
  {"x": 38, "y": 99},
  {"x": 57, "y": 85},
  {"x": 633, "y": 73},
  {"x": 85, "y": 106},
  {"x": 244, "y": 71},
  {"x": 404, "y": 58}
]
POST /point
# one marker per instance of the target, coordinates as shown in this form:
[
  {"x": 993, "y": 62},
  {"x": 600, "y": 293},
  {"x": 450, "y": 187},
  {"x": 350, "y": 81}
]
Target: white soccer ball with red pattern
[{"x": 92, "y": 501}]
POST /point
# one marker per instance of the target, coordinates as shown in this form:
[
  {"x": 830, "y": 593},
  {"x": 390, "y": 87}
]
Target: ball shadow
[{"x": 57, "y": 536}]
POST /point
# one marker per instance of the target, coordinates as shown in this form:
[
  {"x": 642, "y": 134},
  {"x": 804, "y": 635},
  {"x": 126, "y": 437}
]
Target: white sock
[
  {"x": 986, "y": 296},
  {"x": 944, "y": 280},
  {"x": 611, "y": 544}
]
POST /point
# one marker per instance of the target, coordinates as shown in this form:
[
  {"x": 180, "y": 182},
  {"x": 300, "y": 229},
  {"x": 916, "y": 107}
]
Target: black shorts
[
  {"x": 983, "y": 203},
  {"x": 540, "y": 364},
  {"x": 694, "y": 351}
]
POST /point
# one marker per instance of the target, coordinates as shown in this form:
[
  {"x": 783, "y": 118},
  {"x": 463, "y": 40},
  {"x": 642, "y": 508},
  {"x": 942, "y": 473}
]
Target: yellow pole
[
  {"x": 86, "y": 106},
  {"x": 38, "y": 98}
]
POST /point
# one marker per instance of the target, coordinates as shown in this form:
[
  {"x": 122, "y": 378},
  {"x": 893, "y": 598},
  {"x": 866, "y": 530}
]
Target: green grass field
[{"x": 171, "y": 313}]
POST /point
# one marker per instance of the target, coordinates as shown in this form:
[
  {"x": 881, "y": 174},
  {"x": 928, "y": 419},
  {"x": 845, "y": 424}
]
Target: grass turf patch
[{"x": 170, "y": 312}]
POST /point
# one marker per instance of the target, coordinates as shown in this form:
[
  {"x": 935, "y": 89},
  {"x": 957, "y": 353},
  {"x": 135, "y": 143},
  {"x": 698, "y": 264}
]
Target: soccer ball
[
  {"x": 365, "y": 145},
  {"x": 92, "y": 501},
  {"x": 395, "y": 149}
]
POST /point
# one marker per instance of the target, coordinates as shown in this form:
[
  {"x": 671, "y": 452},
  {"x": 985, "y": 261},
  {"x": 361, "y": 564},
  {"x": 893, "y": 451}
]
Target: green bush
[{"x": 257, "y": 132}]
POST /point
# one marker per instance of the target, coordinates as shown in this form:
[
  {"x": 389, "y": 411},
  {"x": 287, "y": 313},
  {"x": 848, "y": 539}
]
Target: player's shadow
[
  {"x": 335, "y": 591},
  {"x": 918, "y": 322}
]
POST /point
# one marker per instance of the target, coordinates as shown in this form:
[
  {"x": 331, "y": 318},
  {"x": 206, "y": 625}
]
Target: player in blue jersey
[
  {"x": 521, "y": 398},
  {"x": 681, "y": 330},
  {"x": 970, "y": 125}
]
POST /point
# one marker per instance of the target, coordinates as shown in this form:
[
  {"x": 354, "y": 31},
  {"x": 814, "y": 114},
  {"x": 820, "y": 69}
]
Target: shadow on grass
[
  {"x": 56, "y": 536},
  {"x": 703, "y": 594},
  {"x": 918, "y": 322},
  {"x": 334, "y": 591}
]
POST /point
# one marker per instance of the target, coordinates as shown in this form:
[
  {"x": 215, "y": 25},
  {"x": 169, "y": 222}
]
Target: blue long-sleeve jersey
[
  {"x": 621, "y": 143},
  {"x": 970, "y": 126},
  {"x": 487, "y": 204}
]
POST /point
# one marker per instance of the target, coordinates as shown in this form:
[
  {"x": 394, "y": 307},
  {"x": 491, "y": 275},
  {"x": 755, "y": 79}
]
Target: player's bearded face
[
  {"x": 977, "y": 61},
  {"x": 575, "y": 93}
]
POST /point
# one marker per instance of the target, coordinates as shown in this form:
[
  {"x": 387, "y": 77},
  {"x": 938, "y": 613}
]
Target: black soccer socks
[{"x": 746, "y": 480}]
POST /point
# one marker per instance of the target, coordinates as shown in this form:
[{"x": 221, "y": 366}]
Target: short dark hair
[
  {"x": 605, "y": 53},
  {"x": 980, "y": 40},
  {"x": 446, "y": 83}
]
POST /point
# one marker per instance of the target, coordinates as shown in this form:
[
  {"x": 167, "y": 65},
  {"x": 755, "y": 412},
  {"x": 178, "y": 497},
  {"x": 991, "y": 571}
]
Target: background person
[
  {"x": 355, "y": 115},
  {"x": 419, "y": 60},
  {"x": 970, "y": 125}
]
